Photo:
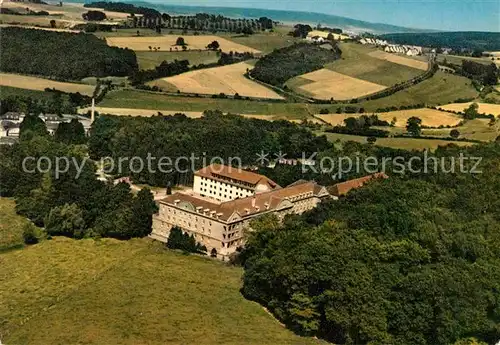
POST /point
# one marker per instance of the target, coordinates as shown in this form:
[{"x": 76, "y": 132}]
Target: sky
[{"x": 452, "y": 15}]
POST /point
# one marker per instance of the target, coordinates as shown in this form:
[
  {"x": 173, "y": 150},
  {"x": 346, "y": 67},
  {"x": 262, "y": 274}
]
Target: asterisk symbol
[
  {"x": 280, "y": 156},
  {"x": 262, "y": 158}
]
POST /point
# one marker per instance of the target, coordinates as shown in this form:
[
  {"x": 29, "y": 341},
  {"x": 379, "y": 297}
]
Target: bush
[
  {"x": 30, "y": 232},
  {"x": 324, "y": 111},
  {"x": 179, "y": 240}
]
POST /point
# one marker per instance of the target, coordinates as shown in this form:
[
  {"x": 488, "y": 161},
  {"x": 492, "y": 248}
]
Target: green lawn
[
  {"x": 356, "y": 62},
  {"x": 149, "y": 60},
  {"x": 64, "y": 291},
  {"x": 11, "y": 225},
  {"x": 396, "y": 143}
]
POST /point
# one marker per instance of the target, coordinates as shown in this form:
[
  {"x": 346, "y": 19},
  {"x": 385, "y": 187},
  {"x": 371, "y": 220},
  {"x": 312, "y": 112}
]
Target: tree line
[
  {"x": 408, "y": 260},
  {"x": 62, "y": 55}
]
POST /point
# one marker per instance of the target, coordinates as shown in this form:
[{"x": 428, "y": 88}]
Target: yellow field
[
  {"x": 167, "y": 43},
  {"x": 429, "y": 117},
  {"x": 34, "y": 83},
  {"x": 227, "y": 79},
  {"x": 399, "y": 60},
  {"x": 326, "y": 84},
  {"x": 39, "y": 28},
  {"x": 325, "y": 34},
  {"x": 485, "y": 108}
]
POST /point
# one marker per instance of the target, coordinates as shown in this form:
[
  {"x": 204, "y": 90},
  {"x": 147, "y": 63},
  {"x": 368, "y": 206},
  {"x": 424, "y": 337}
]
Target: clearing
[
  {"x": 357, "y": 62},
  {"x": 65, "y": 291},
  {"x": 379, "y": 54},
  {"x": 429, "y": 117},
  {"x": 484, "y": 108},
  {"x": 40, "y": 84},
  {"x": 167, "y": 43},
  {"x": 149, "y": 60},
  {"x": 227, "y": 79},
  {"x": 326, "y": 84}
]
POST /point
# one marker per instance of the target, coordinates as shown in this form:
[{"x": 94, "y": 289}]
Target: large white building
[
  {"x": 223, "y": 202},
  {"x": 225, "y": 183}
]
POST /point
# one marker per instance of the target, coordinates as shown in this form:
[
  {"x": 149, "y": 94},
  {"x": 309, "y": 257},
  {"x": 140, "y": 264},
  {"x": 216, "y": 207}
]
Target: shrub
[{"x": 30, "y": 234}]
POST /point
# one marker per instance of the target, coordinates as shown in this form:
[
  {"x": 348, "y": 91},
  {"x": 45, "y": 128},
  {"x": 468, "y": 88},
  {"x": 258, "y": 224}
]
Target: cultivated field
[
  {"x": 140, "y": 112},
  {"x": 35, "y": 83},
  {"x": 413, "y": 63},
  {"x": 65, "y": 291},
  {"x": 484, "y": 108},
  {"x": 357, "y": 62},
  {"x": 326, "y": 84},
  {"x": 227, "y": 79},
  {"x": 429, "y": 117},
  {"x": 167, "y": 43},
  {"x": 149, "y": 60}
]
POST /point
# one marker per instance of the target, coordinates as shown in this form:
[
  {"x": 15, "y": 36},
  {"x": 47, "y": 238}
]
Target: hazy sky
[{"x": 470, "y": 15}]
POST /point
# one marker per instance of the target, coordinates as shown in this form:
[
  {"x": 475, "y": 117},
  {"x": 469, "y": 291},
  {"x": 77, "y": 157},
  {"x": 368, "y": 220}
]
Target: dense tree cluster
[
  {"x": 177, "y": 239},
  {"x": 72, "y": 202},
  {"x": 471, "y": 40},
  {"x": 401, "y": 261},
  {"x": 213, "y": 135},
  {"x": 282, "y": 64},
  {"x": 62, "y": 55},
  {"x": 486, "y": 74},
  {"x": 362, "y": 126},
  {"x": 94, "y": 16},
  {"x": 57, "y": 102},
  {"x": 301, "y": 30},
  {"x": 124, "y": 7}
]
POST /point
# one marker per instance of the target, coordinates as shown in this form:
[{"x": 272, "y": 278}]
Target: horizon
[{"x": 435, "y": 15}]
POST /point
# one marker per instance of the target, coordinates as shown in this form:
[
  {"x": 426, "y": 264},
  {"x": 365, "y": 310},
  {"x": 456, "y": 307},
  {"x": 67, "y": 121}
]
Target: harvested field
[
  {"x": 228, "y": 79},
  {"x": 400, "y": 60},
  {"x": 325, "y": 34},
  {"x": 485, "y": 108},
  {"x": 325, "y": 84},
  {"x": 35, "y": 83},
  {"x": 167, "y": 42},
  {"x": 429, "y": 117}
]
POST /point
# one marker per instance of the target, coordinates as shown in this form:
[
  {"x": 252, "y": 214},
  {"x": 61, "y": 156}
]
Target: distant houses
[{"x": 393, "y": 48}]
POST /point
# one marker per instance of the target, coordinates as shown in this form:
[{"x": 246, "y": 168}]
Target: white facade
[{"x": 218, "y": 190}]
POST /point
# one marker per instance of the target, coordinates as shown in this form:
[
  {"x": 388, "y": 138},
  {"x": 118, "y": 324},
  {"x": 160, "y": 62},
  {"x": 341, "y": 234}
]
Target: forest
[
  {"x": 73, "y": 203},
  {"x": 414, "y": 259},
  {"x": 482, "y": 41},
  {"x": 62, "y": 55},
  {"x": 285, "y": 63},
  {"x": 213, "y": 135},
  {"x": 123, "y": 7}
]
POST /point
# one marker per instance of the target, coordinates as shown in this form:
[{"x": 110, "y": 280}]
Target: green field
[
  {"x": 64, "y": 291},
  {"x": 149, "y": 60},
  {"x": 6, "y": 91},
  {"x": 127, "y": 32},
  {"x": 457, "y": 60},
  {"x": 441, "y": 89},
  {"x": 265, "y": 42},
  {"x": 396, "y": 143},
  {"x": 147, "y": 100},
  {"x": 356, "y": 62},
  {"x": 11, "y": 225}
]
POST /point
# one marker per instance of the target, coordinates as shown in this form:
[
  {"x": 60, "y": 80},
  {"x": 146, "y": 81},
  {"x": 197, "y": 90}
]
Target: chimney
[
  {"x": 253, "y": 201},
  {"x": 92, "y": 112},
  {"x": 169, "y": 188}
]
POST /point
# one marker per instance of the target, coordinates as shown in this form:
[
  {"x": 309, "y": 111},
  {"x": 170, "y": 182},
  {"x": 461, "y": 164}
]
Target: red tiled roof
[
  {"x": 214, "y": 170},
  {"x": 341, "y": 189},
  {"x": 252, "y": 205}
]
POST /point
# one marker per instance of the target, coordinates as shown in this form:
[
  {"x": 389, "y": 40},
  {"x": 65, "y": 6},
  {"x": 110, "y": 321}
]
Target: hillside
[
  {"x": 456, "y": 40},
  {"x": 62, "y": 55},
  {"x": 65, "y": 291}
]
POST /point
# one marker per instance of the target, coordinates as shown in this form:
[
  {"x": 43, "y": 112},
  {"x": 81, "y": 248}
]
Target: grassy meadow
[
  {"x": 11, "y": 226},
  {"x": 64, "y": 291},
  {"x": 149, "y": 60},
  {"x": 356, "y": 62}
]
